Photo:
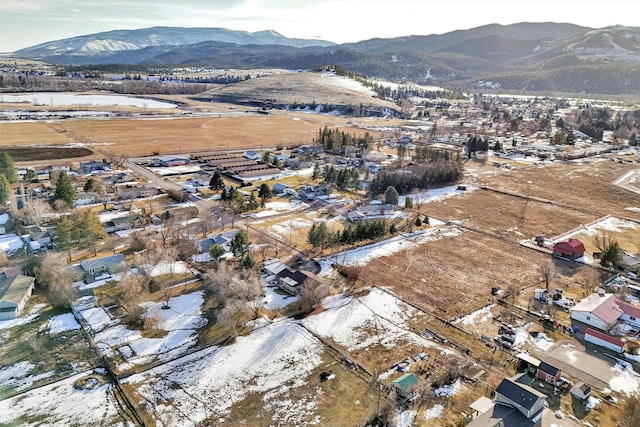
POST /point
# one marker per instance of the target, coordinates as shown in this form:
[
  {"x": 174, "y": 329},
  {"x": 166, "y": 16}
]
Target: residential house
[
  {"x": 405, "y": 385},
  {"x": 272, "y": 267},
  {"x": 123, "y": 223},
  {"x": 15, "y": 290},
  {"x": 251, "y": 155},
  {"x": 603, "y": 340},
  {"x": 39, "y": 234},
  {"x": 222, "y": 239},
  {"x": 312, "y": 192},
  {"x": 94, "y": 267},
  {"x": 630, "y": 313},
  {"x": 290, "y": 281},
  {"x": 169, "y": 161},
  {"x": 572, "y": 249},
  {"x": 598, "y": 310},
  {"x": 581, "y": 391},
  {"x": 83, "y": 199},
  {"x": 371, "y": 211},
  {"x": 94, "y": 166},
  {"x": 514, "y": 404},
  {"x": 120, "y": 178},
  {"x": 182, "y": 213},
  {"x": 279, "y": 188}
]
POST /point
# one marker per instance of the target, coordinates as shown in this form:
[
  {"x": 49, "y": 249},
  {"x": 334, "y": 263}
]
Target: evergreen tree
[
  {"x": 8, "y": 167},
  {"x": 216, "y": 183},
  {"x": 392, "y": 229},
  {"x": 418, "y": 222},
  {"x": 318, "y": 236},
  {"x": 64, "y": 190},
  {"x": 408, "y": 202},
  {"x": 266, "y": 157},
  {"x": 391, "y": 196},
  {"x": 426, "y": 220},
  {"x": 247, "y": 262},
  {"x": 5, "y": 189},
  {"x": 90, "y": 230},
  {"x": 240, "y": 244},
  {"x": 216, "y": 252},
  {"x": 252, "y": 205},
  {"x": 265, "y": 191},
  {"x": 317, "y": 172},
  {"x": 63, "y": 235}
]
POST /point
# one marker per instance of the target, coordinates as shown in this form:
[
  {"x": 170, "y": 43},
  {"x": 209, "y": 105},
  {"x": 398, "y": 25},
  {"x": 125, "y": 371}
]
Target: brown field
[
  {"x": 454, "y": 275},
  {"x": 502, "y": 214},
  {"x": 140, "y": 137},
  {"x": 587, "y": 186}
]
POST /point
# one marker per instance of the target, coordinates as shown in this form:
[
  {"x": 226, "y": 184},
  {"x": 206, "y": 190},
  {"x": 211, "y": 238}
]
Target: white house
[
  {"x": 604, "y": 340},
  {"x": 598, "y": 310},
  {"x": 630, "y": 313},
  {"x": 251, "y": 155}
]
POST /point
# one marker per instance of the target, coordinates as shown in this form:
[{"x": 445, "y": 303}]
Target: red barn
[{"x": 572, "y": 249}]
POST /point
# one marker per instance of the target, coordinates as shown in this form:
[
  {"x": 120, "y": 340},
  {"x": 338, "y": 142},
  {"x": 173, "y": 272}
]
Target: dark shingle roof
[{"x": 521, "y": 394}]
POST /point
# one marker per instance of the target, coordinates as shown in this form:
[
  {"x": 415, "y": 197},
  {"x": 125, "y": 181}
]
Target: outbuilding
[
  {"x": 572, "y": 249},
  {"x": 15, "y": 291},
  {"x": 581, "y": 391},
  {"x": 604, "y": 340}
]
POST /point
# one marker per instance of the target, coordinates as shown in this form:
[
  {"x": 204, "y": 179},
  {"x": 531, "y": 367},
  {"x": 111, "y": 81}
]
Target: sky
[{"x": 25, "y": 23}]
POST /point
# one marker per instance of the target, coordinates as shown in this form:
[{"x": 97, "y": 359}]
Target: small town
[{"x": 362, "y": 258}]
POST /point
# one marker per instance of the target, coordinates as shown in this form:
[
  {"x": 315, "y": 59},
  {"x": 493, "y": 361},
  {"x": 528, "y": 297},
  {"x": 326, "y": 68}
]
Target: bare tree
[
  {"x": 35, "y": 210},
  {"x": 134, "y": 290},
  {"x": 311, "y": 295},
  {"x": 547, "y": 272},
  {"x": 603, "y": 241},
  {"x": 588, "y": 280},
  {"x": 54, "y": 275},
  {"x": 207, "y": 221}
]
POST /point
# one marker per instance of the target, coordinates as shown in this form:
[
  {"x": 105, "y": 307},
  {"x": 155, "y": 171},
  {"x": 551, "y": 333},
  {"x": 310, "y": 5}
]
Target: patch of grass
[{"x": 31, "y": 153}]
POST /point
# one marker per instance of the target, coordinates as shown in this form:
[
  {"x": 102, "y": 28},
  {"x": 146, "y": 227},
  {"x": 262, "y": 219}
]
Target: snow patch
[{"x": 62, "y": 323}]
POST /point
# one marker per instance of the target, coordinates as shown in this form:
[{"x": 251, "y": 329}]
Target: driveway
[{"x": 585, "y": 364}]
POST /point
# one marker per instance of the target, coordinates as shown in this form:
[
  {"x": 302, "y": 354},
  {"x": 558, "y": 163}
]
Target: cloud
[{"x": 19, "y": 6}]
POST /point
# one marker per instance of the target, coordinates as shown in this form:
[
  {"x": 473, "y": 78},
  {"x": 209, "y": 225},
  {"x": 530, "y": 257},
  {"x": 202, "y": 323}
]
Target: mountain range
[{"x": 526, "y": 57}]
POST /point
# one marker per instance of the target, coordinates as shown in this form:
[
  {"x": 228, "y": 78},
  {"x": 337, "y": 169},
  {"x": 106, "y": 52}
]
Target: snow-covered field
[
  {"x": 609, "y": 223},
  {"x": 205, "y": 385},
  {"x": 364, "y": 254},
  {"x": 275, "y": 208},
  {"x": 61, "y": 404},
  {"x": 59, "y": 99},
  {"x": 435, "y": 194},
  {"x": 180, "y": 322},
  {"x": 351, "y": 321}
]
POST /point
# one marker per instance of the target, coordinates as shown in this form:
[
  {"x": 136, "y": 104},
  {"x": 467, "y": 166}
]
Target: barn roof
[
  {"x": 604, "y": 337},
  {"x": 628, "y": 308},
  {"x": 602, "y": 306}
]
